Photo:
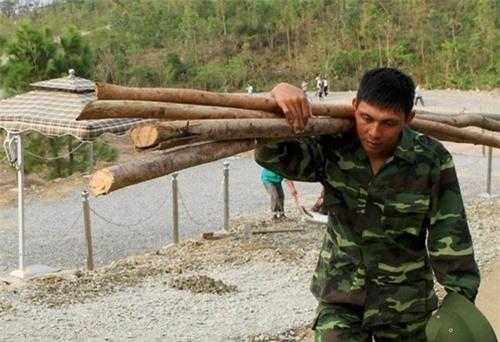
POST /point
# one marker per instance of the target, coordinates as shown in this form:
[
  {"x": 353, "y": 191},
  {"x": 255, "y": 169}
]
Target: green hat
[{"x": 457, "y": 320}]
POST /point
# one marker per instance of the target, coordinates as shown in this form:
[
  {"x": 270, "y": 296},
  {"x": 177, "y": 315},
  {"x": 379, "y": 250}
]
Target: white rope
[
  {"x": 128, "y": 225},
  {"x": 64, "y": 235},
  {"x": 217, "y": 202},
  {"x": 57, "y": 157}
]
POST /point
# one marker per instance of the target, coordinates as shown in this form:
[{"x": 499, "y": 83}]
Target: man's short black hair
[{"x": 387, "y": 89}]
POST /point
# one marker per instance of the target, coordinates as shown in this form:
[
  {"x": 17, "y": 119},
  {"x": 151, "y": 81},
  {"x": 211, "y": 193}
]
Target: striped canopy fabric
[
  {"x": 70, "y": 83},
  {"x": 53, "y": 110}
]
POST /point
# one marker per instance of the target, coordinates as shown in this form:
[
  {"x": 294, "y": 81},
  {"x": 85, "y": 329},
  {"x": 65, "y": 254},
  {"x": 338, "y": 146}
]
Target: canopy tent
[{"x": 50, "y": 109}]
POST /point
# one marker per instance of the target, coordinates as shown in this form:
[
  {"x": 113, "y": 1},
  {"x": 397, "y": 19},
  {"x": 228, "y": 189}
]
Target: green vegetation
[{"x": 221, "y": 45}]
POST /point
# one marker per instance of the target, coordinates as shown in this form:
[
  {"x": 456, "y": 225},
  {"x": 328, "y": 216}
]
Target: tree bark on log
[
  {"x": 116, "y": 177},
  {"x": 161, "y": 135},
  {"x": 463, "y": 120},
  {"x": 112, "y": 109},
  {"x": 449, "y": 133},
  {"x": 171, "y": 143},
  {"x": 151, "y": 135},
  {"x": 105, "y": 91}
]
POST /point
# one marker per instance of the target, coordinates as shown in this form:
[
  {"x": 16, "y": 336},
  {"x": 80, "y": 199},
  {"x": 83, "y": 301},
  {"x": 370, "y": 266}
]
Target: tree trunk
[
  {"x": 450, "y": 133},
  {"x": 106, "y": 109},
  {"x": 198, "y": 97},
  {"x": 462, "y": 120},
  {"x": 151, "y": 135},
  {"x": 115, "y": 177}
]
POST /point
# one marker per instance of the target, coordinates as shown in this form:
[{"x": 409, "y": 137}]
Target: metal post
[
  {"x": 483, "y": 148},
  {"x": 226, "y": 195},
  {"x": 91, "y": 157},
  {"x": 88, "y": 230},
  {"x": 14, "y": 150},
  {"x": 175, "y": 208},
  {"x": 488, "y": 174},
  {"x": 20, "y": 193}
]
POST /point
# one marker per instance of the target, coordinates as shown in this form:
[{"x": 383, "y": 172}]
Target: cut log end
[
  {"x": 101, "y": 182},
  {"x": 145, "y": 136}
]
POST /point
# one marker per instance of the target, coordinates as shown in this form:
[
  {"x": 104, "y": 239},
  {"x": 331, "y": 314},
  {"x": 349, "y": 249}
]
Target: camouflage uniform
[{"x": 374, "y": 269}]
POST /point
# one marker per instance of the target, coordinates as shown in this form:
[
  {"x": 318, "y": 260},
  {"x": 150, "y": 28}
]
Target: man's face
[{"x": 379, "y": 130}]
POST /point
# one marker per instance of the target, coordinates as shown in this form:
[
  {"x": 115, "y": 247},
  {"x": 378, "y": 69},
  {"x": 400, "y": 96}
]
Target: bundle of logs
[{"x": 193, "y": 127}]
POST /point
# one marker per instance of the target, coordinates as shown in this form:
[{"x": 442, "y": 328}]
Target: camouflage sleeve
[
  {"x": 449, "y": 241},
  {"x": 300, "y": 159}
]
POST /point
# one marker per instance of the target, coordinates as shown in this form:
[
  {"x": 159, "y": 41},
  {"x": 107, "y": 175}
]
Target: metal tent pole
[
  {"x": 17, "y": 137},
  {"x": 15, "y": 152}
]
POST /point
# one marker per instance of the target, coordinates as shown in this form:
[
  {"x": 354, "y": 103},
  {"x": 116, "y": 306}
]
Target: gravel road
[{"x": 136, "y": 219}]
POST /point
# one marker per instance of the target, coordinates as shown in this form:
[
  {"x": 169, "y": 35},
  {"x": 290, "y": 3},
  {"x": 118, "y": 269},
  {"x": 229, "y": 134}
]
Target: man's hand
[{"x": 295, "y": 105}]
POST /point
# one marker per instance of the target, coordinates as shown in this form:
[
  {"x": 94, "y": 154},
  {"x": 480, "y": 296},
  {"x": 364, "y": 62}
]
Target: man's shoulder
[{"x": 429, "y": 146}]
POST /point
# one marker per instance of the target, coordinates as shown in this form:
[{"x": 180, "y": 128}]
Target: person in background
[
  {"x": 272, "y": 182},
  {"x": 249, "y": 89},
  {"x": 396, "y": 218},
  {"x": 325, "y": 87},
  {"x": 319, "y": 88},
  {"x": 419, "y": 95},
  {"x": 304, "y": 86}
]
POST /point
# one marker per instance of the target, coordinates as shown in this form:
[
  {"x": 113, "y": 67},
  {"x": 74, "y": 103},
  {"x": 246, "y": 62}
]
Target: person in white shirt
[{"x": 418, "y": 95}]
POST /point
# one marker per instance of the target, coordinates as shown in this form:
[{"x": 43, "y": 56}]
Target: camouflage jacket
[{"x": 374, "y": 251}]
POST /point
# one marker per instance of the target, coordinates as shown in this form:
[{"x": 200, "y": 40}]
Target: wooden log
[
  {"x": 147, "y": 136},
  {"x": 142, "y": 136},
  {"x": 492, "y": 116},
  {"x": 105, "y": 91},
  {"x": 116, "y": 177},
  {"x": 106, "y": 109},
  {"x": 151, "y": 135},
  {"x": 449, "y": 133},
  {"x": 107, "y": 180},
  {"x": 171, "y": 143},
  {"x": 463, "y": 120}
]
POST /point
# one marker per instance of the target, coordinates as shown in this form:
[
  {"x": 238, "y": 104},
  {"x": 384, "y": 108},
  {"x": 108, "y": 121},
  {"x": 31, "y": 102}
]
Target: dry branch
[{"x": 151, "y": 135}]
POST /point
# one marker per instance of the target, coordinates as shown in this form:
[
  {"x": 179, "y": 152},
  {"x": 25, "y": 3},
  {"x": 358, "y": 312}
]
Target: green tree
[
  {"x": 31, "y": 58},
  {"x": 75, "y": 53}
]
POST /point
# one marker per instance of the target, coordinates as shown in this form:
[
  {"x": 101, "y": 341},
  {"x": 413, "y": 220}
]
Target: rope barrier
[
  {"x": 217, "y": 202},
  {"x": 58, "y": 157},
  {"x": 128, "y": 225},
  {"x": 64, "y": 235}
]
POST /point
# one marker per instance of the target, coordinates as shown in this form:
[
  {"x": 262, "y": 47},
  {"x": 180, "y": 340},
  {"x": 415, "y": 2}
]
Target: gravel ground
[{"x": 242, "y": 287}]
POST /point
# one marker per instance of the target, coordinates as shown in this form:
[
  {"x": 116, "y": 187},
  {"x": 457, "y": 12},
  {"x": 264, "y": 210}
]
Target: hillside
[{"x": 224, "y": 44}]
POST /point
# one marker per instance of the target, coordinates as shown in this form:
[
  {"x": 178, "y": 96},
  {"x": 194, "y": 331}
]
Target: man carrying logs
[{"x": 396, "y": 214}]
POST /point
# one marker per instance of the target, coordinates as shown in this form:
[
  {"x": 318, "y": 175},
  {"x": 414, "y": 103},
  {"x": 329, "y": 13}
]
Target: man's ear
[
  {"x": 410, "y": 117},
  {"x": 354, "y": 103}
]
